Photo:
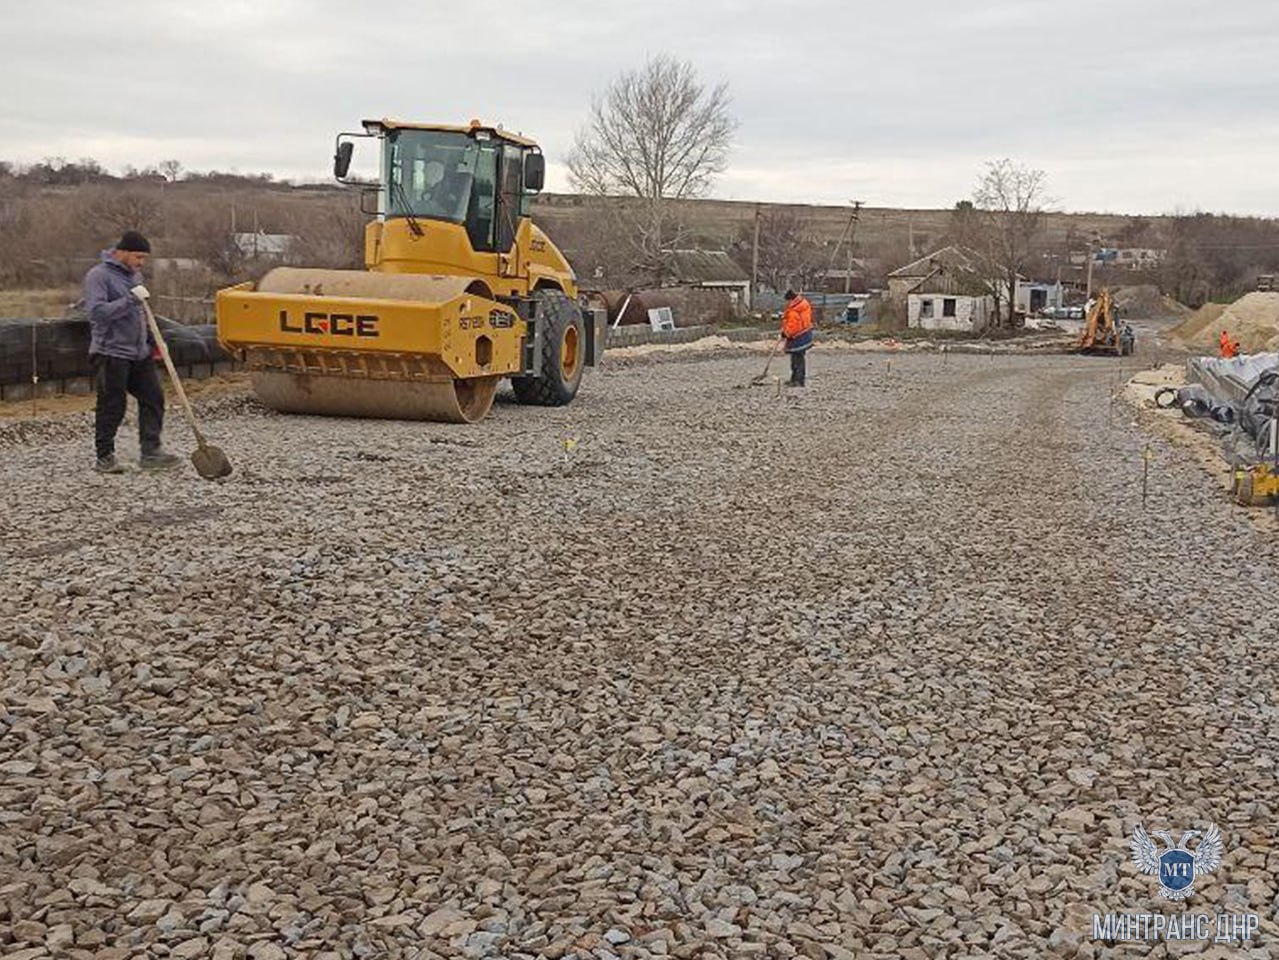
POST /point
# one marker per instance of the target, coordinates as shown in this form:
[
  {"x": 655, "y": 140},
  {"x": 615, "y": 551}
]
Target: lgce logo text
[{"x": 334, "y": 324}]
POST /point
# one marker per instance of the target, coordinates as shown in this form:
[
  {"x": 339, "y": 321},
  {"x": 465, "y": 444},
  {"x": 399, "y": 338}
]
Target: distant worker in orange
[
  {"x": 1229, "y": 346},
  {"x": 797, "y": 328}
]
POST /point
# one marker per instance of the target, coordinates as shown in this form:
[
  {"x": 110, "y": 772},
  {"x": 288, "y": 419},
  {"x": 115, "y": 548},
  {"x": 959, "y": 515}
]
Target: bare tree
[
  {"x": 111, "y": 210},
  {"x": 209, "y": 238},
  {"x": 329, "y": 234},
  {"x": 1007, "y": 221},
  {"x": 790, "y": 251},
  {"x": 172, "y": 170},
  {"x": 965, "y": 225},
  {"x": 656, "y": 134}
]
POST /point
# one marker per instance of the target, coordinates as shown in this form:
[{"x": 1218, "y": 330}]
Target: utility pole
[
  {"x": 1091, "y": 256},
  {"x": 755, "y": 259},
  {"x": 830, "y": 264},
  {"x": 852, "y": 232}
]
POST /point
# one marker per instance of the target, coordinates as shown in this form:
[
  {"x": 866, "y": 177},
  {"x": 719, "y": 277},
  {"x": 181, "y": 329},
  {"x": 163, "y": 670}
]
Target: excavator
[
  {"x": 460, "y": 290},
  {"x": 1103, "y": 333}
]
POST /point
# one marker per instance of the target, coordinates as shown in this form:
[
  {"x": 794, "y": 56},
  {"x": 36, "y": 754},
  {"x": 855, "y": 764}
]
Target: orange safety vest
[
  {"x": 797, "y": 318},
  {"x": 1229, "y": 347}
]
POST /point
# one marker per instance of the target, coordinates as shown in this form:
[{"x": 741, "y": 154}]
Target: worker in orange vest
[
  {"x": 1229, "y": 346},
  {"x": 797, "y": 328}
]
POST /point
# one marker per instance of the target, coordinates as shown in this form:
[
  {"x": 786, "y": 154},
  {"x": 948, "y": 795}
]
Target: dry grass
[
  {"x": 64, "y": 404},
  {"x": 47, "y": 303}
]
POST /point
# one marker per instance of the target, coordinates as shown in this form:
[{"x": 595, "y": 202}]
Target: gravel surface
[{"x": 889, "y": 669}]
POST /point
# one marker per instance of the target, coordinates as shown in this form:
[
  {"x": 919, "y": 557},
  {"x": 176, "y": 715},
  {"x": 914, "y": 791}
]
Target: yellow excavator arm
[{"x": 1102, "y": 332}]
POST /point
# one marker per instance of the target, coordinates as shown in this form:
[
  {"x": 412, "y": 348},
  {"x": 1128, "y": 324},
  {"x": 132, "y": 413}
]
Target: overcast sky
[{"x": 1130, "y": 106}]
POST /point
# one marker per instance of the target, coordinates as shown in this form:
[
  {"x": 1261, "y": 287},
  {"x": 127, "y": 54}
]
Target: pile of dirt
[
  {"x": 1253, "y": 320},
  {"x": 1143, "y": 301},
  {"x": 704, "y": 345},
  {"x": 1204, "y": 318}
]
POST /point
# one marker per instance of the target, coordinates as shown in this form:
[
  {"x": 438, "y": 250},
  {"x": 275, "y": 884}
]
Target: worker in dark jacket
[
  {"x": 122, "y": 353},
  {"x": 797, "y": 328}
]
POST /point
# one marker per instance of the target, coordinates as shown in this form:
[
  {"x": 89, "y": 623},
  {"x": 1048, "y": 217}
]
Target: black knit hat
[
  {"x": 134, "y": 242},
  {"x": 790, "y": 295}
]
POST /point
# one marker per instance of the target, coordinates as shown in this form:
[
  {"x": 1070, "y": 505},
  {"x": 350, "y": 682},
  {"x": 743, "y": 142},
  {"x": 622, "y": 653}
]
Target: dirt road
[{"x": 889, "y": 669}]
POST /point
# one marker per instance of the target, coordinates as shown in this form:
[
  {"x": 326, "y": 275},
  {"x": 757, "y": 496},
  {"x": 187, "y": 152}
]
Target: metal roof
[
  {"x": 952, "y": 283},
  {"x": 390, "y": 124},
  {"x": 953, "y": 257},
  {"x": 704, "y": 266}
]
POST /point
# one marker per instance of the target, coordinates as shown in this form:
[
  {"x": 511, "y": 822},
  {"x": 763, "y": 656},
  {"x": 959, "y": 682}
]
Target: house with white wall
[
  {"x": 1035, "y": 296},
  {"x": 950, "y": 289},
  {"x": 945, "y": 302}
]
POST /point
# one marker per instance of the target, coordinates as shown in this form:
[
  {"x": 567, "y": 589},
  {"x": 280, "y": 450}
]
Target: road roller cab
[{"x": 462, "y": 289}]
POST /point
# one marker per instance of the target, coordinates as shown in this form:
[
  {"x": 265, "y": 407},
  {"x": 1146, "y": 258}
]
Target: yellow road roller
[{"x": 461, "y": 289}]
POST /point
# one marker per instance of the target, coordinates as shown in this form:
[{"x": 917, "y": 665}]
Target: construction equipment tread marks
[{"x": 563, "y": 344}]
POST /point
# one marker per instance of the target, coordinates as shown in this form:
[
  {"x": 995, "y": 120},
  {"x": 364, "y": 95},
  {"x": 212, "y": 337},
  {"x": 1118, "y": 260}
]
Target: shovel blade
[{"x": 211, "y": 463}]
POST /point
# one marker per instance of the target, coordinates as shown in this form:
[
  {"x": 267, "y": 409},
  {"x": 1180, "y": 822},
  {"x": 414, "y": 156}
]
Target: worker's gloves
[{"x": 141, "y": 293}]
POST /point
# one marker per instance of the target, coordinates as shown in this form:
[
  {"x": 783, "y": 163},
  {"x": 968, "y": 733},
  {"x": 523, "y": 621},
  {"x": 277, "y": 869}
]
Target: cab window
[
  {"x": 512, "y": 190},
  {"x": 482, "y": 214}
]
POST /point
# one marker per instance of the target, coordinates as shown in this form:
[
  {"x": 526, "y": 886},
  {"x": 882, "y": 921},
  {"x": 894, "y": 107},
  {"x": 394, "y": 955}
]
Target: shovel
[
  {"x": 772, "y": 353},
  {"x": 210, "y": 462}
]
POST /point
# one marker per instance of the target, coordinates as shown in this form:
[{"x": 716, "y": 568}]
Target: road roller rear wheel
[{"x": 563, "y": 353}]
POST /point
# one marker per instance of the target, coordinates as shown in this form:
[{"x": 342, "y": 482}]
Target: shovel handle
[
  {"x": 772, "y": 353},
  {"x": 173, "y": 374}
]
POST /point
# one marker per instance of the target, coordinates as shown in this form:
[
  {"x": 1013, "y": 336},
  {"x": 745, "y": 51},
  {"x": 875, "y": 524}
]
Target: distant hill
[
  {"x": 721, "y": 222},
  {"x": 57, "y": 219}
]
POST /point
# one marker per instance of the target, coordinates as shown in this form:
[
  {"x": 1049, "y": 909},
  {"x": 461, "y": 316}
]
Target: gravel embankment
[{"x": 890, "y": 669}]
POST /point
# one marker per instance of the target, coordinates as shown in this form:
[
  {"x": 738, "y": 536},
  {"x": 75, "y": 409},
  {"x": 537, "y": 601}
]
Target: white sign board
[{"x": 661, "y": 318}]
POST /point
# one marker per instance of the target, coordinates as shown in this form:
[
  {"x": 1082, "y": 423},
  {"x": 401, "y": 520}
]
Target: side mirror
[
  {"x": 342, "y": 159},
  {"x": 534, "y": 172}
]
